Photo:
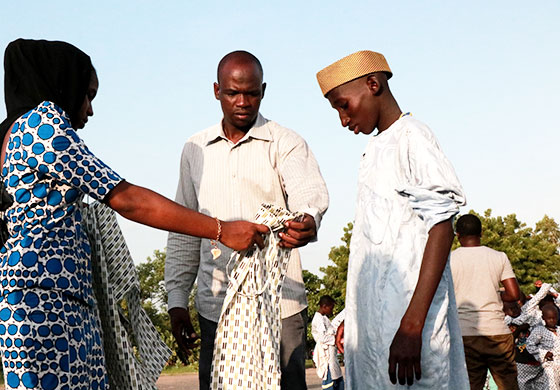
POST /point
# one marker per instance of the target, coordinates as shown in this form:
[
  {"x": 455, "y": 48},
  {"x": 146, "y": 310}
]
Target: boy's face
[
  {"x": 355, "y": 105},
  {"x": 327, "y": 310},
  {"x": 512, "y": 310},
  {"x": 550, "y": 316}
]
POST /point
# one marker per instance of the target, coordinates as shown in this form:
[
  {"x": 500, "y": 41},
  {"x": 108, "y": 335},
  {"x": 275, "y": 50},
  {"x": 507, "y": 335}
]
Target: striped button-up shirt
[{"x": 270, "y": 164}]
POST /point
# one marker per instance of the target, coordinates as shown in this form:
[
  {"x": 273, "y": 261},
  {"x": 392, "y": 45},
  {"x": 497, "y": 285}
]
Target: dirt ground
[{"x": 190, "y": 381}]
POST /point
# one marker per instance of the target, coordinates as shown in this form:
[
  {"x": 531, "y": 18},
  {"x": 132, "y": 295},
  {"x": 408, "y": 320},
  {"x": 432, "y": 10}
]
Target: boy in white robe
[
  {"x": 401, "y": 320},
  {"x": 324, "y": 354}
]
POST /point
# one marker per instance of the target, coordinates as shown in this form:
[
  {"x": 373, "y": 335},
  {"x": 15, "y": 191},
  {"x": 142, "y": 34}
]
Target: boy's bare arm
[{"x": 404, "y": 355}]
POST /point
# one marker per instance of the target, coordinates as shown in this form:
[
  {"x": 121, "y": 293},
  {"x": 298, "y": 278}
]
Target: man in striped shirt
[{"x": 227, "y": 171}]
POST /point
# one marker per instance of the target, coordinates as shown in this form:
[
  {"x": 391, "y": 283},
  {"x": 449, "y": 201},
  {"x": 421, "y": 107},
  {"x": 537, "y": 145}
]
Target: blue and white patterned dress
[{"x": 49, "y": 327}]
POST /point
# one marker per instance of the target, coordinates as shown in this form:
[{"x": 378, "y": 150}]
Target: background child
[
  {"x": 324, "y": 355},
  {"x": 544, "y": 344}
]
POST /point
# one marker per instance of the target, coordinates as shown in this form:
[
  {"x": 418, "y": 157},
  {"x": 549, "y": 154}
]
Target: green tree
[{"x": 334, "y": 281}]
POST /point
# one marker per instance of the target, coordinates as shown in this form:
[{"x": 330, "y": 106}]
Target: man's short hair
[
  {"x": 469, "y": 225},
  {"x": 326, "y": 300},
  {"x": 239, "y": 54}
]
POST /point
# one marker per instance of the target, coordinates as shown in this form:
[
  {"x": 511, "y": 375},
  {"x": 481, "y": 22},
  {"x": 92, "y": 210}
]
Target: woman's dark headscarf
[{"x": 44, "y": 70}]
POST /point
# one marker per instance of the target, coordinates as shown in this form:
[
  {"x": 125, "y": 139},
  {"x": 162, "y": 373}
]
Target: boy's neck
[{"x": 389, "y": 113}]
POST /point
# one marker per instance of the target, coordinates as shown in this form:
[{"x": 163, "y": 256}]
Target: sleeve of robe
[{"x": 431, "y": 184}]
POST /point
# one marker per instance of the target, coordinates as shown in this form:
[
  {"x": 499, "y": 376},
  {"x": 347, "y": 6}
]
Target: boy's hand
[
  {"x": 549, "y": 356},
  {"x": 298, "y": 234},
  {"x": 404, "y": 355},
  {"x": 339, "y": 339}
]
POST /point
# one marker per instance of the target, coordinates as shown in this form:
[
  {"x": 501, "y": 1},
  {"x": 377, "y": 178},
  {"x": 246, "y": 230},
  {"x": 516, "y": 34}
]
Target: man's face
[
  {"x": 355, "y": 105},
  {"x": 240, "y": 91}
]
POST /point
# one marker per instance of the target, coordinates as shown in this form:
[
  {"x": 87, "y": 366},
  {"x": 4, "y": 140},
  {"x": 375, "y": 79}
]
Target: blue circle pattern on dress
[
  {"x": 64, "y": 352},
  {"x": 47, "y": 170},
  {"x": 49, "y": 337}
]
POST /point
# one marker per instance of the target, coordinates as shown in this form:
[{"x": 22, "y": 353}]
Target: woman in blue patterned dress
[{"x": 49, "y": 329}]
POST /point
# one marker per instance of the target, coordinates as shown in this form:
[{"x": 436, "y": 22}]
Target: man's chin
[{"x": 244, "y": 124}]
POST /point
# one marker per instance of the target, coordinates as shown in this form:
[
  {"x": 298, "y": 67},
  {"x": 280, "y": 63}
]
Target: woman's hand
[
  {"x": 241, "y": 235},
  {"x": 404, "y": 354}
]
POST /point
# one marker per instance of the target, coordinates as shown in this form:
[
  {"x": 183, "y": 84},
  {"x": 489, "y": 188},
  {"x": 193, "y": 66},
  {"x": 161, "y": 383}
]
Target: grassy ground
[{"x": 178, "y": 370}]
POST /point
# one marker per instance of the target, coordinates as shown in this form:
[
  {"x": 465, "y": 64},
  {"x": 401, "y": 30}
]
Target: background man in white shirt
[
  {"x": 227, "y": 171},
  {"x": 477, "y": 273}
]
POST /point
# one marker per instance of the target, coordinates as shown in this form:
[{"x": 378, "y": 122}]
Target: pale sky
[{"x": 483, "y": 75}]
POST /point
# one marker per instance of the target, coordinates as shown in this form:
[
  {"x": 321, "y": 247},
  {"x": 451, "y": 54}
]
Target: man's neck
[
  {"x": 235, "y": 134},
  {"x": 469, "y": 241}
]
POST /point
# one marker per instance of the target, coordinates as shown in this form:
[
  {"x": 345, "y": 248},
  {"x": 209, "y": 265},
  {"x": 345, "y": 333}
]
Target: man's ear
[
  {"x": 263, "y": 89},
  {"x": 217, "y": 91},
  {"x": 374, "y": 83}
]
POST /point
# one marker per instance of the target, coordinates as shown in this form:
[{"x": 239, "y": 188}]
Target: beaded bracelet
[{"x": 216, "y": 252}]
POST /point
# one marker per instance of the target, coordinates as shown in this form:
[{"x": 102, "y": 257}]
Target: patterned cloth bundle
[
  {"x": 247, "y": 344},
  {"x": 115, "y": 279}
]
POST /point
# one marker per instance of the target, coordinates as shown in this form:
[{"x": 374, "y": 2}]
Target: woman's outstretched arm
[{"x": 147, "y": 207}]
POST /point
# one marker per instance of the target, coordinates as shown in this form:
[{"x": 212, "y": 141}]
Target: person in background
[
  {"x": 325, "y": 354},
  {"x": 544, "y": 344},
  {"x": 478, "y": 272}
]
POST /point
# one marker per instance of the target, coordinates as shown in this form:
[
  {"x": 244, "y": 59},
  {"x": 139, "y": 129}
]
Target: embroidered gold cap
[{"x": 350, "y": 68}]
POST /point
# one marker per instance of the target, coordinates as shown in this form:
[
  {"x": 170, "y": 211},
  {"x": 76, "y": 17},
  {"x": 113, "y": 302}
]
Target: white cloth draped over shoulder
[{"x": 406, "y": 185}]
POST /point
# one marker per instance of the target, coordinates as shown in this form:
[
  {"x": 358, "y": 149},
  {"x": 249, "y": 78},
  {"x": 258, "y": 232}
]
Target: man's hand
[
  {"x": 339, "y": 339},
  {"x": 404, "y": 355},
  {"x": 298, "y": 234},
  {"x": 182, "y": 329}
]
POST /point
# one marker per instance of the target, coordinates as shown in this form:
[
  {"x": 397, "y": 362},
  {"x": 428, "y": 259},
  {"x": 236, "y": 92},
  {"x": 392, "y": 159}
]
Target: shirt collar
[{"x": 259, "y": 131}]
